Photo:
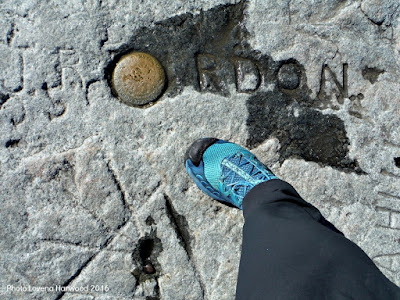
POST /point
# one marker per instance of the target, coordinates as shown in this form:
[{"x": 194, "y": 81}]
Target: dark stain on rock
[
  {"x": 371, "y": 74},
  {"x": 209, "y": 51},
  {"x": 302, "y": 132}
]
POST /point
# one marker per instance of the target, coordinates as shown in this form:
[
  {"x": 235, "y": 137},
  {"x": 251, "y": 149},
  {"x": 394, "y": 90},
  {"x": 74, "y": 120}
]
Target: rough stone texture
[{"x": 92, "y": 190}]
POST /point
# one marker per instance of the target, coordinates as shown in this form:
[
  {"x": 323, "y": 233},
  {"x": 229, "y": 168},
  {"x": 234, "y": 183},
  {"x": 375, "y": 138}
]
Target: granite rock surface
[{"x": 95, "y": 201}]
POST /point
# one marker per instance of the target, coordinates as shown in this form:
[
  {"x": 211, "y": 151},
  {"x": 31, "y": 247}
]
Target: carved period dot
[
  {"x": 289, "y": 76},
  {"x": 138, "y": 79}
]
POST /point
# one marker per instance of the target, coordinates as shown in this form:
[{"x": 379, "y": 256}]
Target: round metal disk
[{"x": 138, "y": 78}]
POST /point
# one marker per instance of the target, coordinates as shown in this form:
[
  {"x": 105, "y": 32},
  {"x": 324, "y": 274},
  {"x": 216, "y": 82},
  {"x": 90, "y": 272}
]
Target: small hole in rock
[
  {"x": 397, "y": 161},
  {"x": 150, "y": 221},
  {"x": 145, "y": 248}
]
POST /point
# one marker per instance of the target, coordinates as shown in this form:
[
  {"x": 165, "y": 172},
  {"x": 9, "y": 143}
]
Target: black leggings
[{"x": 290, "y": 251}]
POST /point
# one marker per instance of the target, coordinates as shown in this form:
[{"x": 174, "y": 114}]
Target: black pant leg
[{"x": 290, "y": 251}]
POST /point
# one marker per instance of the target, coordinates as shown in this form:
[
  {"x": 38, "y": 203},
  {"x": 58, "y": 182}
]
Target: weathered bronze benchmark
[{"x": 138, "y": 79}]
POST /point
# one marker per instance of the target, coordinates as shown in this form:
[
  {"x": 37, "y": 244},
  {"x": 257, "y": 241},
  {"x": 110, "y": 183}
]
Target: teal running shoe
[{"x": 224, "y": 171}]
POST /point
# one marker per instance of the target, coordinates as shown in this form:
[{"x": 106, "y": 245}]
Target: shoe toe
[{"x": 196, "y": 150}]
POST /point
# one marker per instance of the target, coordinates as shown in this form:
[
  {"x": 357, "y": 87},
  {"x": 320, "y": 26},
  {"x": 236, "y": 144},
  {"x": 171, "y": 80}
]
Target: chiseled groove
[
  {"x": 88, "y": 84},
  {"x": 387, "y": 227},
  {"x": 117, "y": 183},
  {"x": 173, "y": 217},
  {"x": 72, "y": 244},
  {"x": 390, "y": 174},
  {"x": 85, "y": 264},
  {"x": 10, "y": 34},
  {"x": 122, "y": 192},
  {"x": 76, "y": 274},
  {"x": 388, "y": 195}
]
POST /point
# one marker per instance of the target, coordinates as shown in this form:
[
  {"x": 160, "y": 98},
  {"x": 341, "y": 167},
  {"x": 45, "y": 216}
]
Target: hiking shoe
[{"x": 224, "y": 171}]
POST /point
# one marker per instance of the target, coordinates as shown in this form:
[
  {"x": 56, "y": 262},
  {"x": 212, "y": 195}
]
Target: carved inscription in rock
[
  {"x": 338, "y": 87},
  {"x": 211, "y": 53},
  {"x": 289, "y": 76},
  {"x": 207, "y": 66},
  {"x": 247, "y": 75}
]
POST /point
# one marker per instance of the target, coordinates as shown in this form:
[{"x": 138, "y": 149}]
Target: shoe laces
[{"x": 240, "y": 173}]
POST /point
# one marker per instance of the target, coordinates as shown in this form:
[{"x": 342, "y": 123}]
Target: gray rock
[
  {"x": 94, "y": 193},
  {"x": 11, "y": 70}
]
